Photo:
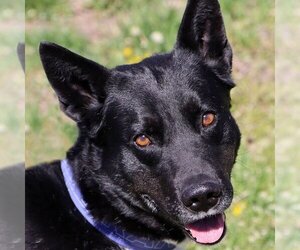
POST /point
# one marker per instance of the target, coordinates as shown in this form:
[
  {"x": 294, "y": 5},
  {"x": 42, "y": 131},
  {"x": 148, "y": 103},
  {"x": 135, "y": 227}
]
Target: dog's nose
[{"x": 202, "y": 197}]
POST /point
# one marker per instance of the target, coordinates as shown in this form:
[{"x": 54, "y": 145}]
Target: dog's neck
[{"x": 114, "y": 233}]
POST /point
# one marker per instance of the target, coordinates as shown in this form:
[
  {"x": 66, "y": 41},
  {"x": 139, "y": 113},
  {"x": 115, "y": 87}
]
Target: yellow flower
[
  {"x": 127, "y": 52},
  {"x": 135, "y": 59},
  {"x": 146, "y": 54},
  {"x": 238, "y": 208}
]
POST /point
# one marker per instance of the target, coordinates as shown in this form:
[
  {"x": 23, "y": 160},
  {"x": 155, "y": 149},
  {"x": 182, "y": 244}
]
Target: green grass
[
  {"x": 15, "y": 8},
  {"x": 11, "y": 83},
  {"x": 45, "y": 10},
  {"x": 130, "y": 37},
  {"x": 287, "y": 165},
  {"x": 114, "y": 5},
  {"x": 287, "y": 123}
]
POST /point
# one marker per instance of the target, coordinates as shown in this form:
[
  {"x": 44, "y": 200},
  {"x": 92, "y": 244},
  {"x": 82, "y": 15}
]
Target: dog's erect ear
[
  {"x": 202, "y": 31},
  {"x": 78, "y": 82}
]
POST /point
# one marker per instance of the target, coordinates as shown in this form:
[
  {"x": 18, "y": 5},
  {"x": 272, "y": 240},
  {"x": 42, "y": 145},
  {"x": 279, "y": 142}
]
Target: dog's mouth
[{"x": 208, "y": 231}]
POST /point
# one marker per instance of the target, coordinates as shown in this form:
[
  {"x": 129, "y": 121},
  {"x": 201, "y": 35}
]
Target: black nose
[{"x": 203, "y": 197}]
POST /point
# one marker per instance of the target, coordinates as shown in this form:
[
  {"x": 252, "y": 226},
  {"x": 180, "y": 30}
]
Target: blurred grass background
[
  {"x": 287, "y": 125},
  {"x": 12, "y": 83},
  {"x": 114, "y": 32}
]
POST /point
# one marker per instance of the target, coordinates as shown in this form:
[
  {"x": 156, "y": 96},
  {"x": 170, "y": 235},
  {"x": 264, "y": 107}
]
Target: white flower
[
  {"x": 27, "y": 128},
  {"x": 135, "y": 31},
  {"x": 2, "y": 128},
  {"x": 157, "y": 37}
]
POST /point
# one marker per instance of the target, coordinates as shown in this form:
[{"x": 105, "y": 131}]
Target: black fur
[{"x": 163, "y": 97}]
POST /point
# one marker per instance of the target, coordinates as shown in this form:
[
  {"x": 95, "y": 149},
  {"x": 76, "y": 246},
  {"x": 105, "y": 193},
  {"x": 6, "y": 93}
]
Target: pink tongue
[{"x": 208, "y": 230}]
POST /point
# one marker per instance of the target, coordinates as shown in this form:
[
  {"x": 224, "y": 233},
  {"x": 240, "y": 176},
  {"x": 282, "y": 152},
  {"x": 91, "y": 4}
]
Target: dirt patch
[
  {"x": 176, "y": 4},
  {"x": 91, "y": 23}
]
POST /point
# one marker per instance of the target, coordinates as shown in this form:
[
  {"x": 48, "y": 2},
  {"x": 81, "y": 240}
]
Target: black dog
[{"x": 155, "y": 151}]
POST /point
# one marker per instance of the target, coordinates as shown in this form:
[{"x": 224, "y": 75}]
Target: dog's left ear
[{"x": 202, "y": 31}]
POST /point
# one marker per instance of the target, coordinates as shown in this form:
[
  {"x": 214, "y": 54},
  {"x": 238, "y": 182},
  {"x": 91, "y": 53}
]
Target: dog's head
[{"x": 157, "y": 137}]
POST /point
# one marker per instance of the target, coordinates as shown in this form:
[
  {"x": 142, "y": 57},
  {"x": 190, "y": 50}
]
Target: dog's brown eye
[
  {"x": 142, "y": 141},
  {"x": 208, "y": 119}
]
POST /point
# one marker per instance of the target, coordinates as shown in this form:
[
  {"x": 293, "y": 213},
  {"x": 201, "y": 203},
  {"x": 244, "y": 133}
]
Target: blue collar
[{"x": 117, "y": 235}]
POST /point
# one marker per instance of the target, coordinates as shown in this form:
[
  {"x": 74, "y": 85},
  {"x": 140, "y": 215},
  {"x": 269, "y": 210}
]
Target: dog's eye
[
  {"x": 142, "y": 141},
  {"x": 208, "y": 119}
]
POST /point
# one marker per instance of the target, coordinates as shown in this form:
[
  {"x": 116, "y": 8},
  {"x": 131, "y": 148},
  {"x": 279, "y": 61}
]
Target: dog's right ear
[{"x": 78, "y": 82}]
